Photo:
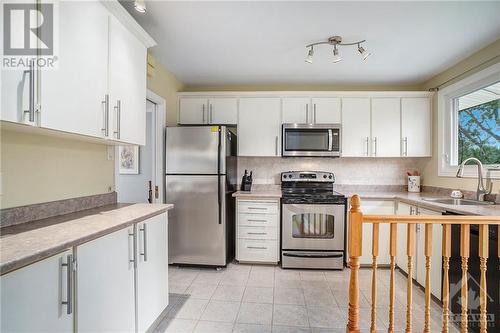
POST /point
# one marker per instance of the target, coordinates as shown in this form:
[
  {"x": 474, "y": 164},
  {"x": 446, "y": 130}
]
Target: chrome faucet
[{"x": 481, "y": 190}]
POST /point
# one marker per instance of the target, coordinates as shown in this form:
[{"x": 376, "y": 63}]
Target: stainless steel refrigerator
[{"x": 200, "y": 179}]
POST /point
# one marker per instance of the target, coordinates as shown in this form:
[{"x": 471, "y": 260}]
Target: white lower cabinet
[
  {"x": 257, "y": 230},
  {"x": 32, "y": 297},
  {"x": 419, "y": 255},
  {"x": 152, "y": 270},
  {"x": 105, "y": 283},
  {"x": 376, "y": 207}
]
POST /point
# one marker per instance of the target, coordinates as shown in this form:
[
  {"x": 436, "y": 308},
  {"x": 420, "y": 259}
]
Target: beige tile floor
[{"x": 264, "y": 299}]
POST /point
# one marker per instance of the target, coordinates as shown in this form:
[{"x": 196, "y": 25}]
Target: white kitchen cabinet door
[
  {"x": 32, "y": 296},
  {"x": 416, "y": 126},
  {"x": 297, "y": 110},
  {"x": 436, "y": 258},
  {"x": 355, "y": 127},
  {"x": 386, "y": 127},
  {"x": 152, "y": 270},
  {"x": 326, "y": 110},
  {"x": 223, "y": 111},
  {"x": 105, "y": 284},
  {"x": 402, "y": 257},
  {"x": 193, "y": 111},
  {"x": 259, "y": 127},
  {"x": 127, "y": 85},
  {"x": 376, "y": 207},
  {"x": 72, "y": 94},
  {"x": 15, "y": 84}
]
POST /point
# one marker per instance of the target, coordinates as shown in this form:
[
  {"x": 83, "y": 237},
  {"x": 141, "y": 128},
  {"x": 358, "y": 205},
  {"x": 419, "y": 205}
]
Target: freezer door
[
  {"x": 196, "y": 233},
  {"x": 194, "y": 150}
]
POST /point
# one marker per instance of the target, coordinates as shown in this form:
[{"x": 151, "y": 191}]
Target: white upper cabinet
[
  {"x": 297, "y": 110},
  {"x": 259, "y": 126},
  {"x": 386, "y": 129},
  {"x": 222, "y": 111},
  {"x": 326, "y": 110},
  {"x": 127, "y": 85},
  {"x": 193, "y": 111},
  {"x": 416, "y": 126},
  {"x": 72, "y": 95},
  {"x": 356, "y": 127}
]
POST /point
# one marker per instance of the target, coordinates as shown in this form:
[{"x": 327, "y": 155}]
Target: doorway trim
[{"x": 158, "y": 172}]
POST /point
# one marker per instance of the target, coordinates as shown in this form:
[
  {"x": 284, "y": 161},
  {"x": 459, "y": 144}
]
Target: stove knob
[
  {"x": 330, "y": 177},
  {"x": 324, "y": 176}
]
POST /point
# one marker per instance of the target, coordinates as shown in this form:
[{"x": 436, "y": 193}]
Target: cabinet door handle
[
  {"x": 211, "y": 115},
  {"x": 105, "y": 122},
  {"x": 118, "y": 110},
  {"x": 144, "y": 252},
  {"x": 257, "y": 247},
  {"x": 314, "y": 114},
  {"x": 276, "y": 145},
  {"x": 257, "y": 208},
  {"x": 307, "y": 113},
  {"x": 367, "y": 140},
  {"x": 405, "y": 148},
  {"x": 257, "y": 233},
  {"x": 69, "y": 283},
  {"x": 134, "y": 247},
  {"x": 203, "y": 110},
  {"x": 375, "y": 146},
  {"x": 31, "y": 106}
]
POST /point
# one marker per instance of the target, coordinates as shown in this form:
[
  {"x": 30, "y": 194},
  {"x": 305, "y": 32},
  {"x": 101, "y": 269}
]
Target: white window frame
[{"x": 447, "y": 121}]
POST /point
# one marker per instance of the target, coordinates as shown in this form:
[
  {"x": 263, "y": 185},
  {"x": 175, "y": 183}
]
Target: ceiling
[{"x": 263, "y": 42}]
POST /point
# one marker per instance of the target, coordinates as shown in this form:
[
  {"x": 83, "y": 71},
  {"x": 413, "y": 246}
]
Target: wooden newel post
[{"x": 355, "y": 250}]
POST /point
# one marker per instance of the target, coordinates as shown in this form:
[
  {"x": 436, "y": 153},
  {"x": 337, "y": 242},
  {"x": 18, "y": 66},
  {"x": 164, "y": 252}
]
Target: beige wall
[
  {"x": 164, "y": 83},
  {"x": 430, "y": 167},
  {"x": 37, "y": 168}
]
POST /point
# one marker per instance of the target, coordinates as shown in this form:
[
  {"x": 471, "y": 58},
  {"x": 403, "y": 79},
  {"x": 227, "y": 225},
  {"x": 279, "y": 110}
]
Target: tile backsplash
[{"x": 347, "y": 170}]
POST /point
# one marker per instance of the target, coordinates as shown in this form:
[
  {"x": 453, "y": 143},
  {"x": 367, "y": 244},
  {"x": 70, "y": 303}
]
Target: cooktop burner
[{"x": 309, "y": 187}]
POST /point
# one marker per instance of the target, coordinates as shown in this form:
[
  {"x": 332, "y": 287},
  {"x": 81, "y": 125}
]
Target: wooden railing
[{"x": 356, "y": 220}]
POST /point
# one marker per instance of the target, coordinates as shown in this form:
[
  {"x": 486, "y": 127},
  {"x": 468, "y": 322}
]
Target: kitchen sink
[{"x": 457, "y": 202}]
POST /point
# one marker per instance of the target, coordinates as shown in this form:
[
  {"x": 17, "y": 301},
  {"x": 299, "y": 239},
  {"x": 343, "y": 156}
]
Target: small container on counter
[{"x": 413, "y": 183}]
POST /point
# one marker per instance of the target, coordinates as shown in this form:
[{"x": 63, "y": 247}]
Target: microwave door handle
[{"x": 330, "y": 140}]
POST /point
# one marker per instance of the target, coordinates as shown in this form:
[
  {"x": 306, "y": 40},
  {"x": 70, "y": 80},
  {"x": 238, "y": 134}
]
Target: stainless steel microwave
[{"x": 312, "y": 140}]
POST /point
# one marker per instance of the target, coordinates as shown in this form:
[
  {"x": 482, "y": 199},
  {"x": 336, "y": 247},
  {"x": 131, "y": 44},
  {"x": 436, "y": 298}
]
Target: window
[
  {"x": 478, "y": 125},
  {"x": 469, "y": 123}
]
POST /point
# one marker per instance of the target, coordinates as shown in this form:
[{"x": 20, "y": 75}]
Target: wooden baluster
[
  {"x": 464, "y": 253},
  {"x": 355, "y": 251},
  {"x": 410, "y": 249},
  {"x": 483, "y": 257},
  {"x": 373, "y": 325},
  {"x": 392, "y": 253},
  {"x": 428, "y": 253},
  {"x": 446, "y": 282}
]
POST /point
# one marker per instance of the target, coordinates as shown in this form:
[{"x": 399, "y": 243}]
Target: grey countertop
[
  {"x": 23, "y": 244},
  {"x": 258, "y": 194}
]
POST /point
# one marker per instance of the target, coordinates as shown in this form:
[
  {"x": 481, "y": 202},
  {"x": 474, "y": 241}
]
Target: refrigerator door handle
[{"x": 219, "y": 197}]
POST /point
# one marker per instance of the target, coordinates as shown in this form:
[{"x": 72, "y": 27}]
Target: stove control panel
[{"x": 307, "y": 176}]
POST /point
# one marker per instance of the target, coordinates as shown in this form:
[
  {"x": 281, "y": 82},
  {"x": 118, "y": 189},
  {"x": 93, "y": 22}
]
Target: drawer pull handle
[
  {"x": 259, "y": 208},
  {"x": 257, "y": 247},
  {"x": 257, "y": 220},
  {"x": 257, "y": 233}
]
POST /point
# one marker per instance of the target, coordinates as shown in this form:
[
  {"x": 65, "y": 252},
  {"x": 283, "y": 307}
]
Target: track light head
[
  {"x": 140, "y": 6},
  {"x": 364, "y": 53},
  {"x": 309, "y": 58},
  {"x": 336, "y": 55}
]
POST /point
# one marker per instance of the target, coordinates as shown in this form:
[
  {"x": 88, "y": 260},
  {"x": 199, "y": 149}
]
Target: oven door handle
[
  {"x": 330, "y": 140},
  {"x": 296, "y": 255}
]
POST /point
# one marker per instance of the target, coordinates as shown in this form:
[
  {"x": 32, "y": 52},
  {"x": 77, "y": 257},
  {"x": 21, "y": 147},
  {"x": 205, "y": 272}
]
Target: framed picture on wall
[{"x": 129, "y": 160}]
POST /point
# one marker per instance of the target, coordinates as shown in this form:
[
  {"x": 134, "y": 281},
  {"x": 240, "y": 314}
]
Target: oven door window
[
  {"x": 313, "y": 225},
  {"x": 306, "y": 140}
]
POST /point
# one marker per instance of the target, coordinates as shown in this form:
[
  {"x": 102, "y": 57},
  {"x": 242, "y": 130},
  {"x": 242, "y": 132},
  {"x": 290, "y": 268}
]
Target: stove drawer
[
  {"x": 262, "y": 220},
  {"x": 258, "y": 207},
  {"x": 257, "y": 232},
  {"x": 257, "y": 250}
]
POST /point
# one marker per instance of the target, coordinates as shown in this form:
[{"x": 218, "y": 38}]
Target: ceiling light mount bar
[{"x": 336, "y": 41}]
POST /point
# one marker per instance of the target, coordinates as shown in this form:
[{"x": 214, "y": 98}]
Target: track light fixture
[
  {"x": 336, "y": 41},
  {"x": 140, "y": 6}
]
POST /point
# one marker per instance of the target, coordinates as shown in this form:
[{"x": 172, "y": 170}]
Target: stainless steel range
[{"x": 313, "y": 221}]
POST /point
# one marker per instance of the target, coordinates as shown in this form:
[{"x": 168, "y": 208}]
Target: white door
[
  {"x": 326, "y": 110},
  {"x": 259, "y": 127},
  {"x": 152, "y": 270},
  {"x": 105, "y": 284},
  {"x": 72, "y": 95},
  {"x": 127, "y": 85},
  {"x": 356, "y": 127},
  {"x": 15, "y": 85},
  {"x": 416, "y": 126},
  {"x": 296, "y": 110},
  {"x": 32, "y": 296},
  {"x": 402, "y": 256},
  {"x": 223, "y": 111},
  {"x": 386, "y": 127},
  {"x": 436, "y": 258},
  {"x": 376, "y": 207},
  {"x": 193, "y": 111}
]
